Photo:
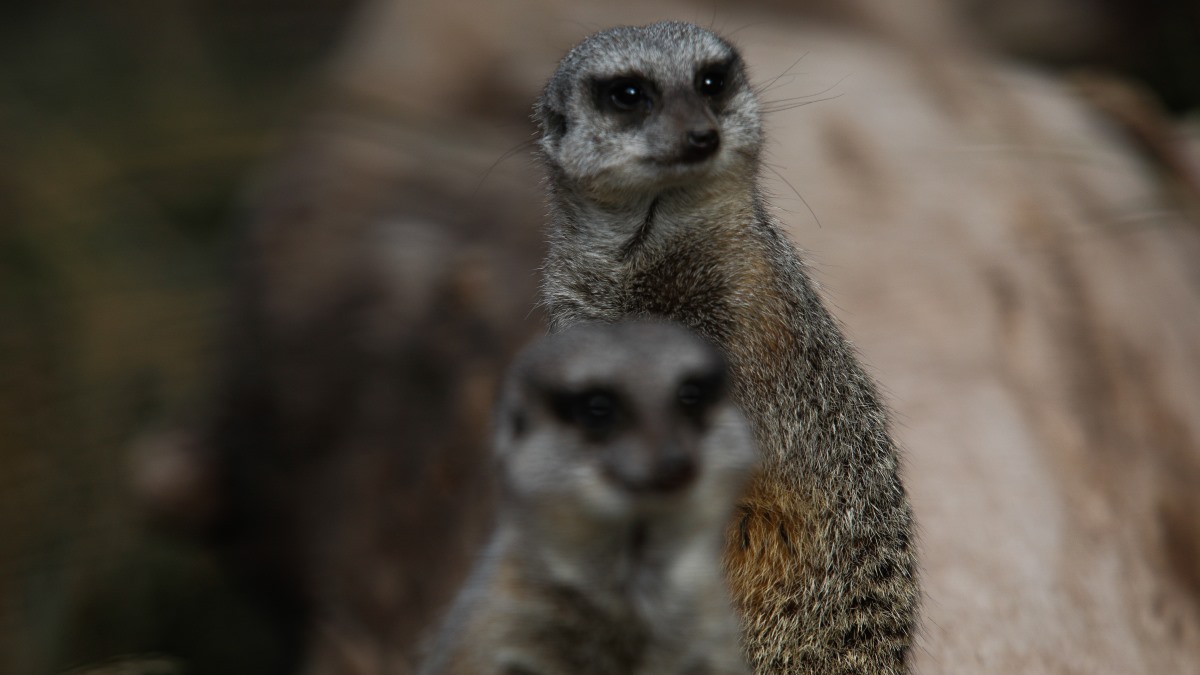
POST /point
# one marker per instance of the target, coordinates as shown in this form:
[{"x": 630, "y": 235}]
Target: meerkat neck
[
  {"x": 604, "y": 232},
  {"x": 613, "y": 566},
  {"x": 577, "y": 203}
]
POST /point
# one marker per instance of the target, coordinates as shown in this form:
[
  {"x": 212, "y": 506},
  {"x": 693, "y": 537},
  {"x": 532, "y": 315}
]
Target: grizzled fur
[
  {"x": 606, "y": 558},
  {"x": 820, "y": 557}
]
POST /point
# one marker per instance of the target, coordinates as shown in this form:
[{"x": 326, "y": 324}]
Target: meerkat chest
[
  {"x": 685, "y": 279},
  {"x": 666, "y": 615}
]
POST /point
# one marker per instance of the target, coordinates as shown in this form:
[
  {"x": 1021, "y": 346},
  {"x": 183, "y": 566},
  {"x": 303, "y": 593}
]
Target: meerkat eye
[
  {"x": 691, "y": 394},
  {"x": 714, "y": 80},
  {"x": 627, "y": 95},
  {"x": 596, "y": 411},
  {"x": 697, "y": 394},
  {"x": 711, "y": 83}
]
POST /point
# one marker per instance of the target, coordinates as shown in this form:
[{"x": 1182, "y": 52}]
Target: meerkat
[
  {"x": 621, "y": 458},
  {"x": 651, "y": 138}
]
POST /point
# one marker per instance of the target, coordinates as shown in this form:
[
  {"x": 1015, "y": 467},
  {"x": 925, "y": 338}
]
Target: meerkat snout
[
  {"x": 701, "y": 144},
  {"x": 688, "y": 131},
  {"x": 654, "y": 465}
]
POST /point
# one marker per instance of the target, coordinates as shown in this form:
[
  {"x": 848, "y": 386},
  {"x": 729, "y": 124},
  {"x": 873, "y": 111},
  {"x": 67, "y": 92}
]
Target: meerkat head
[
  {"x": 641, "y": 109},
  {"x": 611, "y": 423}
]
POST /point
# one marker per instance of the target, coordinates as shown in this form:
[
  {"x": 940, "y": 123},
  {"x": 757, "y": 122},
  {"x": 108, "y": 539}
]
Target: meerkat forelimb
[
  {"x": 651, "y": 137},
  {"x": 621, "y": 458}
]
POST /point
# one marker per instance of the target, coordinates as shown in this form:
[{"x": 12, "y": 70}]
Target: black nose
[
  {"x": 673, "y": 471},
  {"x": 670, "y": 470},
  {"x": 701, "y": 145}
]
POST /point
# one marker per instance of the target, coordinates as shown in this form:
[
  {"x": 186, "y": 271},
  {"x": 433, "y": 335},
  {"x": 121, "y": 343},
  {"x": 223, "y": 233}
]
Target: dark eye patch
[
  {"x": 697, "y": 394},
  {"x": 624, "y": 94},
  {"x": 597, "y": 411},
  {"x": 715, "y": 79}
]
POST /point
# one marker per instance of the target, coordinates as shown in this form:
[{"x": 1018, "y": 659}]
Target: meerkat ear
[
  {"x": 518, "y": 424},
  {"x": 550, "y": 112},
  {"x": 510, "y": 422},
  {"x": 554, "y": 124}
]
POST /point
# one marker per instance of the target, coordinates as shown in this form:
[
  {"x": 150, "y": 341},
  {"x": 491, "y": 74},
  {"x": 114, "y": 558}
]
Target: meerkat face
[
  {"x": 611, "y": 423},
  {"x": 643, "y": 109}
]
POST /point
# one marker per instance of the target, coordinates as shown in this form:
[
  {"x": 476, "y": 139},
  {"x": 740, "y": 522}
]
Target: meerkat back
[
  {"x": 651, "y": 137},
  {"x": 620, "y": 460}
]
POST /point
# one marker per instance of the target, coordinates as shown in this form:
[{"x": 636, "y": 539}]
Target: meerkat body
[
  {"x": 651, "y": 137},
  {"x": 621, "y": 459}
]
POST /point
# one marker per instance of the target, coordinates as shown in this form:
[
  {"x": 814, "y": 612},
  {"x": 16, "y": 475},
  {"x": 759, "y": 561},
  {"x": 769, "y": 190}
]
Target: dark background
[{"x": 126, "y": 132}]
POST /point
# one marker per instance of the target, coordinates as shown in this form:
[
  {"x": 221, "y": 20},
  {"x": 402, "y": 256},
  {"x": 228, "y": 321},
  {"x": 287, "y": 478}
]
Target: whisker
[
  {"x": 764, "y": 87},
  {"x": 793, "y": 187},
  {"x": 749, "y": 25},
  {"x": 768, "y": 110},
  {"x": 815, "y": 93},
  {"x": 507, "y": 153}
]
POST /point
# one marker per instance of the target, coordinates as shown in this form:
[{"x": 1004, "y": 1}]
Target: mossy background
[{"x": 127, "y": 130}]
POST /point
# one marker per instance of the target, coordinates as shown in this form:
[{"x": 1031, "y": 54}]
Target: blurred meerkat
[
  {"x": 651, "y": 137},
  {"x": 621, "y": 459}
]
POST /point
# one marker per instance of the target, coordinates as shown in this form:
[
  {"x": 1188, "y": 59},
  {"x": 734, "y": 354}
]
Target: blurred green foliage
[{"x": 126, "y": 131}]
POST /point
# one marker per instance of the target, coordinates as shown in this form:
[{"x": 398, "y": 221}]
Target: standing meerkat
[
  {"x": 621, "y": 460},
  {"x": 652, "y": 138}
]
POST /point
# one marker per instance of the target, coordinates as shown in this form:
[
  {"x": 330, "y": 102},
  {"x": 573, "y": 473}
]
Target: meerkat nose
[
  {"x": 673, "y": 471},
  {"x": 657, "y": 469},
  {"x": 701, "y": 144}
]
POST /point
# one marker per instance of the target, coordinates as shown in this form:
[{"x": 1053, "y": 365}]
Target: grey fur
[
  {"x": 606, "y": 557},
  {"x": 821, "y": 556}
]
